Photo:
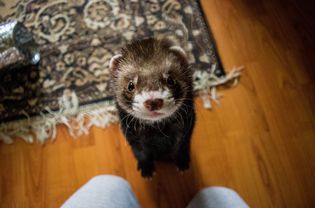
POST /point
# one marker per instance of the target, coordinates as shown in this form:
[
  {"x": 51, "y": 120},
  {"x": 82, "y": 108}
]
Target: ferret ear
[
  {"x": 180, "y": 53},
  {"x": 114, "y": 62}
]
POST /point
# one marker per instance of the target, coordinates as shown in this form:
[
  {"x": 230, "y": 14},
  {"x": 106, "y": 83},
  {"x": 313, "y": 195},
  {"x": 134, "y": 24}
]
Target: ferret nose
[{"x": 153, "y": 104}]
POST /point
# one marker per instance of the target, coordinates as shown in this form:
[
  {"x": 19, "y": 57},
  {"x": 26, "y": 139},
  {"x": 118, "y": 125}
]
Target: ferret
[{"x": 154, "y": 97}]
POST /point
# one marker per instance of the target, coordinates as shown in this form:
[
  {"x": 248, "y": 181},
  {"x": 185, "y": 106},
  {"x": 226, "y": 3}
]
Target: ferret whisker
[
  {"x": 185, "y": 98},
  {"x": 126, "y": 130},
  {"x": 131, "y": 120},
  {"x": 186, "y": 106},
  {"x": 178, "y": 120},
  {"x": 162, "y": 131},
  {"x": 137, "y": 108},
  {"x": 181, "y": 117},
  {"x": 183, "y": 101},
  {"x": 124, "y": 118}
]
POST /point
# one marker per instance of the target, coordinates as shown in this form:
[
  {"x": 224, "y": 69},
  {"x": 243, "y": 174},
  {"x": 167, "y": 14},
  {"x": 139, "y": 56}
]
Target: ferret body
[{"x": 154, "y": 98}]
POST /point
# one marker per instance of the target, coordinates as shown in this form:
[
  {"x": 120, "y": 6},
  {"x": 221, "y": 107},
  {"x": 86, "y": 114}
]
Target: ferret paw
[
  {"x": 146, "y": 169},
  {"x": 182, "y": 166},
  {"x": 147, "y": 174},
  {"x": 149, "y": 179}
]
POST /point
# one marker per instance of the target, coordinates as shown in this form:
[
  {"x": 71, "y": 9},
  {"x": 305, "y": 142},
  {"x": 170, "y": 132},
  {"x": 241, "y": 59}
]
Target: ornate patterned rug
[{"x": 77, "y": 38}]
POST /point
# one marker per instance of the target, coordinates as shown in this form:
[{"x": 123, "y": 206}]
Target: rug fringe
[
  {"x": 77, "y": 120},
  {"x": 206, "y": 84}
]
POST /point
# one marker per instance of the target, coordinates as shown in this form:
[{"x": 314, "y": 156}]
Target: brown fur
[{"x": 144, "y": 62}]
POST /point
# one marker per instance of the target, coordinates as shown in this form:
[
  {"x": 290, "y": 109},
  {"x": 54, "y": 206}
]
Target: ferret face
[
  {"x": 151, "y": 79},
  {"x": 150, "y": 96}
]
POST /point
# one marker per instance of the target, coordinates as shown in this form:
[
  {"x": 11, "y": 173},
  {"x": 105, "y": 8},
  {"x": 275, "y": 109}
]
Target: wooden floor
[{"x": 260, "y": 142}]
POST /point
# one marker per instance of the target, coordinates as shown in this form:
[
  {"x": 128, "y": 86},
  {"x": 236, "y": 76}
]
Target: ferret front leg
[
  {"x": 182, "y": 156},
  {"x": 146, "y": 168},
  {"x": 145, "y": 162}
]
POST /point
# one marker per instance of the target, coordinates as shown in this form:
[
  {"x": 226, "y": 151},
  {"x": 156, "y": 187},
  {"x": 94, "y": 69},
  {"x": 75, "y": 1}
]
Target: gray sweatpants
[{"x": 107, "y": 191}]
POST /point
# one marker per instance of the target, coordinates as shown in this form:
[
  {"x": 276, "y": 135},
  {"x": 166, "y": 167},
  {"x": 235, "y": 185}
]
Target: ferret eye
[
  {"x": 170, "y": 81},
  {"x": 131, "y": 86}
]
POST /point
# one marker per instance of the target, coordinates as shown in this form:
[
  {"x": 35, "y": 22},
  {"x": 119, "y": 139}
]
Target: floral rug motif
[{"x": 77, "y": 38}]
